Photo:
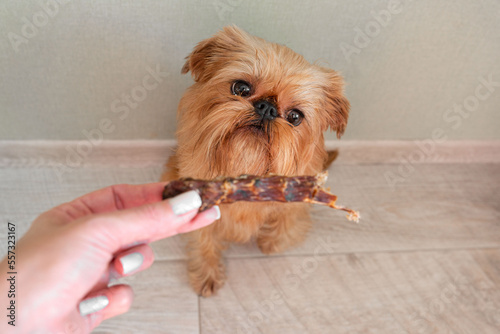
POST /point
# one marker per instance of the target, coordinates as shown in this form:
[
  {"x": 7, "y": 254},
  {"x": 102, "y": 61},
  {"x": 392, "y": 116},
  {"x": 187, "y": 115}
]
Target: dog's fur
[{"x": 216, "y": 138}]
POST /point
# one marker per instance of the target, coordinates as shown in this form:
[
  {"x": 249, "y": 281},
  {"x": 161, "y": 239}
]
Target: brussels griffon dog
[{"x": 255, "y": 108}]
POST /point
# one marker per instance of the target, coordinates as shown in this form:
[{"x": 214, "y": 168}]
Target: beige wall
[{"x": 422, "y": 69}]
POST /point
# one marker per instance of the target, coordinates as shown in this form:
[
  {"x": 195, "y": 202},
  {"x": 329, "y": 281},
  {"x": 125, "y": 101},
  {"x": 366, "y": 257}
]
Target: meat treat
[{"x": 251, "y": 188}]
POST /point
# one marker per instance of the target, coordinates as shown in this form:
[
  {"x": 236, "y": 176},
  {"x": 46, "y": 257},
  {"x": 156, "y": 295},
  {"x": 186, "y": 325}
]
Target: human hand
[{"x": 71, "y": 252}]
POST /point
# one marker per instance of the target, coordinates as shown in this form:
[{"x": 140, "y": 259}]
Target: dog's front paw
[
  {"x": 208, "y": 287},
  {"x": 207, "y": 280}
]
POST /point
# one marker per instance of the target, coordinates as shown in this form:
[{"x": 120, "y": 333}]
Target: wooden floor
[{"x": 425, "y": 257}]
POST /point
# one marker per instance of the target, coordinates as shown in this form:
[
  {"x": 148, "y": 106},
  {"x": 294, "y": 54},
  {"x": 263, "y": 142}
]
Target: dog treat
[{"x": 251, "y": 188}]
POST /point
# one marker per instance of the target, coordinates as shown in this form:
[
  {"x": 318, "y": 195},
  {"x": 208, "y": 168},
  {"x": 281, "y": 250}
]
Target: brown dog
[{"x": 255, "y": 108}]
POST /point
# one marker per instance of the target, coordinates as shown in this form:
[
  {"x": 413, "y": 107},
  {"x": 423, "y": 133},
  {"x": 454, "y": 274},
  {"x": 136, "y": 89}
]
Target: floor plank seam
[
  {"x": 429, "y": 250},
  {"x": 396, "y": 251}
]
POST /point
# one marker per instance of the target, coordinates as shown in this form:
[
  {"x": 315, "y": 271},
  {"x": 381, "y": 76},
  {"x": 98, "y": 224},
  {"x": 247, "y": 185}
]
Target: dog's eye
[
  {"x": 295, "y": 117},
  {"x": 241, "y": 88}
]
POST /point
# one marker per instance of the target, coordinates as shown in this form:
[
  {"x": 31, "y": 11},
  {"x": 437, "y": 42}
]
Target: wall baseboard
[{"x": 137, "y": 153}]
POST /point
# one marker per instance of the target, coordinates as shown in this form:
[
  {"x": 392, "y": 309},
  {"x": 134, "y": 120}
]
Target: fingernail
[
  {"x": 92, "y": 305},
  {"x": 131, "y": 262},
  {"x": 185, "y": 202},
  {"x": 217, "y": 212}
]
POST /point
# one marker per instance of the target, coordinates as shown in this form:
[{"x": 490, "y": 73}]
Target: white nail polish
[
  {"x": 185, "y": 202},
  {"x": 92, "y": 305},
  {"x": 131, "y": 262},
  {"x": 217, "y": 212}
]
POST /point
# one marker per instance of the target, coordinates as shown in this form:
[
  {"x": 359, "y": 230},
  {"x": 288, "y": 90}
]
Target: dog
[{"x": 255, "y": 108}]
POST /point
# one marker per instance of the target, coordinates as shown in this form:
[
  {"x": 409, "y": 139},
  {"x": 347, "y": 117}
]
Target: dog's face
[{"x": 256, "y": 108}]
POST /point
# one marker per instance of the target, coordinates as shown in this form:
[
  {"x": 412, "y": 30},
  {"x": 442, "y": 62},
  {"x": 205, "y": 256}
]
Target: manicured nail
[
  {"x": 131, "y": 262},
  {"x": 185, "y": 202},
  {"x": 217, "y": 212},
  {"x": 92, "y": 305}
]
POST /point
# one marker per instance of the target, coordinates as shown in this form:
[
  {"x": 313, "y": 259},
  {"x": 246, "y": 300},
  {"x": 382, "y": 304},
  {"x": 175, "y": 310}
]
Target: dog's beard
[
  {"x": 258, "y": 127},
  {"x": 245, "y": 144}
]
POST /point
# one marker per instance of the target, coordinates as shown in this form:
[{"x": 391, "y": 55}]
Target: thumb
[{"x": 147, "y": 223}]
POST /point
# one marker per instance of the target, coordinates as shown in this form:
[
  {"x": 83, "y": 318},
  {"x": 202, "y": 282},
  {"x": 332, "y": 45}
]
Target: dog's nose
[{"x": 266, "y": 110}]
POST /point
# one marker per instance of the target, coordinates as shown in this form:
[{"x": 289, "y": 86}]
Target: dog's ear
[
  {"x": 211, "y": 54},
  {"x": 335, "y": 104}
]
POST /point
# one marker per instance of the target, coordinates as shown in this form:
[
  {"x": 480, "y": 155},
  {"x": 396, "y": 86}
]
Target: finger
[
  {"x": 105, "y": 304},
  {"x": 147, "y": 223},
  {"x": 133, "y": 260},
  {"x": 105, "y": 278},
  {"x": 109, "y": 199},
  {"x": 125, "y": 263},
  {"x": 201, "y": 220}
]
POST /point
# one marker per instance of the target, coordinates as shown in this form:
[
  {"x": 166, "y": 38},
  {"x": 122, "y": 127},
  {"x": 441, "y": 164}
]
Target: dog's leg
[
  {"x": 205, "y": 268},
  {"x": 206, "y": 272},
  {"x": 286, "y": 226}
]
